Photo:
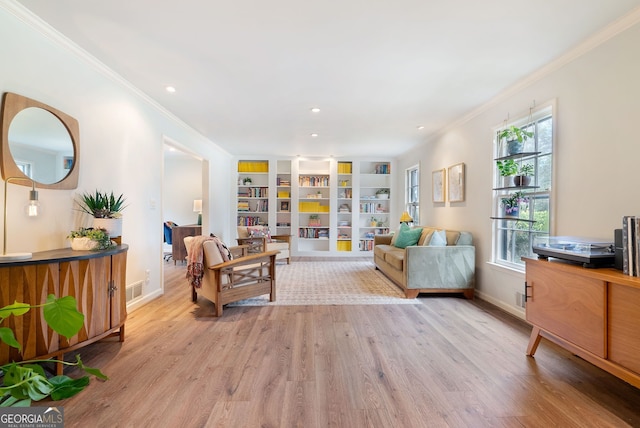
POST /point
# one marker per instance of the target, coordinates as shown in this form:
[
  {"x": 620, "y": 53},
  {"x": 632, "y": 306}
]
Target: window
[
  {"x": 25, "y": 167},
  {"x": 412, "y": 197},
  {"x": 513, "y": 239}
]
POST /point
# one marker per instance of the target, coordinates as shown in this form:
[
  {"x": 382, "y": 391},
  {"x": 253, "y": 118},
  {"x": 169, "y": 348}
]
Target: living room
[{"x": 594, "y": 86}]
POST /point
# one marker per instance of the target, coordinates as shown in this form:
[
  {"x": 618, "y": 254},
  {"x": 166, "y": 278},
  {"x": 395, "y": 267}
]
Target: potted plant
[
  {"x": 507, "y": 168},
  {"x": 523, "y": 176},
  {"x": 85, "y": 239},
  {"x": 247, "y": 180},
  {"x": 26, "y": 381},
  {"x": 382, "y": 193},
  {"x": 511, "y": 204},
  {"x": 106, "y": 210},
  {"x": 515, "y": 138}
]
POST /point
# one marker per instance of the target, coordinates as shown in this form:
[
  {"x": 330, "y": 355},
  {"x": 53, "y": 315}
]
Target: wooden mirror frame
[{"x": 12, "y": 104}]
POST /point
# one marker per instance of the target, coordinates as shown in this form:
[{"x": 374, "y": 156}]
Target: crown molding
[{"x": 38, "y": 24}]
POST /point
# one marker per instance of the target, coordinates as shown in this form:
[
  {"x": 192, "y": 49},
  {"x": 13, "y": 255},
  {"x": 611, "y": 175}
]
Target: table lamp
[
  {"x": 405, "y": 218},
  {"x": 197, "y": 208}
]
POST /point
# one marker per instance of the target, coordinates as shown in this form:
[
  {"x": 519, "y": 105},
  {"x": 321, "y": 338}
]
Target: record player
[{"x": 591, "y": 253}]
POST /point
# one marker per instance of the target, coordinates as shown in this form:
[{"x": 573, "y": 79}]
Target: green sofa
[{"x": 425, "y": 268}]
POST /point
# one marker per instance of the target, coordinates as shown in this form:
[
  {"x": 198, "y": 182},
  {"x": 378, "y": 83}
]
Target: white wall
[
  {"x": 121, "y": 145},
  {"x": 596, "y": 154},
  {"x": 182, "y": 184}
]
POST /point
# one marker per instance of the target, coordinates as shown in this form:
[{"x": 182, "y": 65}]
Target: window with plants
[{"x": 523, "y": 184}]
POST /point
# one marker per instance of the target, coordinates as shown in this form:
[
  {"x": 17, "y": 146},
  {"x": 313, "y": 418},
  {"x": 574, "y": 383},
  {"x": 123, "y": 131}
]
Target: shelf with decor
[
  {"x": 252, "y": 203},
  {"x": 283, "y": 197},
  {"x": 314, "y": 206},
  {"x": 345, "y": 206},
  {"x": 374, "y": 202}
]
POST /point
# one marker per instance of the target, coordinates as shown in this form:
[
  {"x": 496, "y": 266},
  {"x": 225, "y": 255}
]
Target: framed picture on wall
[
  {"x": 437, "y": 178},
  {"x": 455, "y": 182},
  {"x": 284, "y": 206}
]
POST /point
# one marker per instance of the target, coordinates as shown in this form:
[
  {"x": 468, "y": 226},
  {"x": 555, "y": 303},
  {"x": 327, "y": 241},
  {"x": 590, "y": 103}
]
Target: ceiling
[{"x": 247, "y": 72}]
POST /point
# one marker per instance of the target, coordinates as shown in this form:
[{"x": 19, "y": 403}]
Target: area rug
[{"x": 331, "y": 283}]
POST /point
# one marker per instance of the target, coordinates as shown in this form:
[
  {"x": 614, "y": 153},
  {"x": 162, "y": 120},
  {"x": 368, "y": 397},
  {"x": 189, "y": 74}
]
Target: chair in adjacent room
[
  {"x": 167, "y": 250},
  {"x": 225, "y": 279}
]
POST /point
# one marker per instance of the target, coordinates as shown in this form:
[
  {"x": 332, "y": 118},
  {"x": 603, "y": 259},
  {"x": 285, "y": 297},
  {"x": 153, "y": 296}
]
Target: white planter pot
[
  {"x": 113, "y": 226},
  {"x": 382, "y": 196},
  {"x": 83, "y": 244}
]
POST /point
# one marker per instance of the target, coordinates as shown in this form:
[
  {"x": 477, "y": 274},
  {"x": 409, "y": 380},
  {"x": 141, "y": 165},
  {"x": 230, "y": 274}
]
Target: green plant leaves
[
  {"x": 16, "y": 308},
  {"x": 62, "y": 315},
  {"x": 26, "y": 381},
  {"x": 7, "y": 336},
  {"x": 65, "y": 387}
]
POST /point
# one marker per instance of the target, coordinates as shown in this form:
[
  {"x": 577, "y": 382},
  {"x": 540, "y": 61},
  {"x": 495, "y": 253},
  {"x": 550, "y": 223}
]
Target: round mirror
[{"x": 40, "y": 145}]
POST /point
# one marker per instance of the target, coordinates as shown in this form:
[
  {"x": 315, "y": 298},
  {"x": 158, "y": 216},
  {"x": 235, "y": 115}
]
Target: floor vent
[{"x": 134, "y": 291}]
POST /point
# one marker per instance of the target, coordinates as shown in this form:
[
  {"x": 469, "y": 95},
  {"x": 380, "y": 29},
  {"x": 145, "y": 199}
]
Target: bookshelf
[
  {"x": 374, "y": 202},
  {"x": 252, "y": 204},
  {"x": 345, "y": 206},
  {"x": 283, "y": 197},
  {"x": 325, "y": 205},
  {"x": 314, "y": 205}
]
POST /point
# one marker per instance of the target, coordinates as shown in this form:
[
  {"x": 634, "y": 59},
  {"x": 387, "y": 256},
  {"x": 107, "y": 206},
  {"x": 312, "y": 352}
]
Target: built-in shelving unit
[
  {"x": 374, "y": 202},
  {"x": 325, "y": 205},
  {"x": 252, "y": 205},
  {"x": 345, "y": 206},
  {"x": 314, "y": 204},
  {"x": 283, "y": 197}
]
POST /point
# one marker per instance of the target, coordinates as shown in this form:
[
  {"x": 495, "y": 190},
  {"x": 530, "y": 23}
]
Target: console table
[
  {"x": 594, "y": 313},
  {"x": 97, "y": 280},
  {"x": 178, "y": 233}
]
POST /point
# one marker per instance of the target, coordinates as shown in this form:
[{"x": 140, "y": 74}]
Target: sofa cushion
[
  {"x": 465, "y": 239},
  {"x": 425, "y": 237},
  {"x": 259, "y": 232},
  {"x": 395, "y": 257},
  {"x": 452, "y": 237},
  {"x": 407, "y": 236},
  {"x": 381, "y": 250},
  {"x": 438, "y": 239}
]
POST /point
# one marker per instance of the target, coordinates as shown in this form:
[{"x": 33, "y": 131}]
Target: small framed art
[
  {"x": 438, "y": 185},
  {"x": 455, "y": 181}
]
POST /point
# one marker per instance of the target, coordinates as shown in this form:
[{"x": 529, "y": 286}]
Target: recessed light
[
  {"x": 420, "y": 127},
  {"x": 314, "y": 135},
  {"x": 170, "y": 89},
  {"x": 315, "y": 110}
]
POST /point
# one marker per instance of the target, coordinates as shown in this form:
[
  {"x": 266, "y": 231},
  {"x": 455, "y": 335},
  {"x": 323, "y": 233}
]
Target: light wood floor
[{"x": 447, "y": 362}]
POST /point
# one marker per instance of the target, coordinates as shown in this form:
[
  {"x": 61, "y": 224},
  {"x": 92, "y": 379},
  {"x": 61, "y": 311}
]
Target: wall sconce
[
  {"x": 406, "y": 218},
  {"x": 197, "y": 208},
  {"x": 31, "y": 210}
]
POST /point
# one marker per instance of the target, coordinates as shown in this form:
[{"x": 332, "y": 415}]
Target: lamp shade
[
  {"x": 197, "y": 205},
  {"x": 405, "y": 218}
]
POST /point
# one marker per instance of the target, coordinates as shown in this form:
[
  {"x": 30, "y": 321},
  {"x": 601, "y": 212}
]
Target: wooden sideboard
[
  {"x": 178, "y": 233},
  {"x": 97, "y": 280},
  {"x": 594, "y": 313}
]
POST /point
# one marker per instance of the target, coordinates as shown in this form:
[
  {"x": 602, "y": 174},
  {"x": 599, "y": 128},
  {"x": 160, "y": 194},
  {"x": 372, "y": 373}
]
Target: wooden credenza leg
[
  {"x": 59, "y": 365},
  {"x": 534, "y": 341}
]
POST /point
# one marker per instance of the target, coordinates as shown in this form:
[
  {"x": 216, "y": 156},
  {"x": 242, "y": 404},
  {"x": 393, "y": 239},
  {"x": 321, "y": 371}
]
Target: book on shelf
[{"x": 631, "y": 245}]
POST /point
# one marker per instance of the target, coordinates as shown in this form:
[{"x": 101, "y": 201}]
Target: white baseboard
[
  {"x": 144, "y": 300},
  {"x": 513, "y": 310}
]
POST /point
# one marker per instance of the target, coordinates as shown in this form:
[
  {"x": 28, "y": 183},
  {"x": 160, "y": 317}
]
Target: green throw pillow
[{"x": 407, "y": 236}]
